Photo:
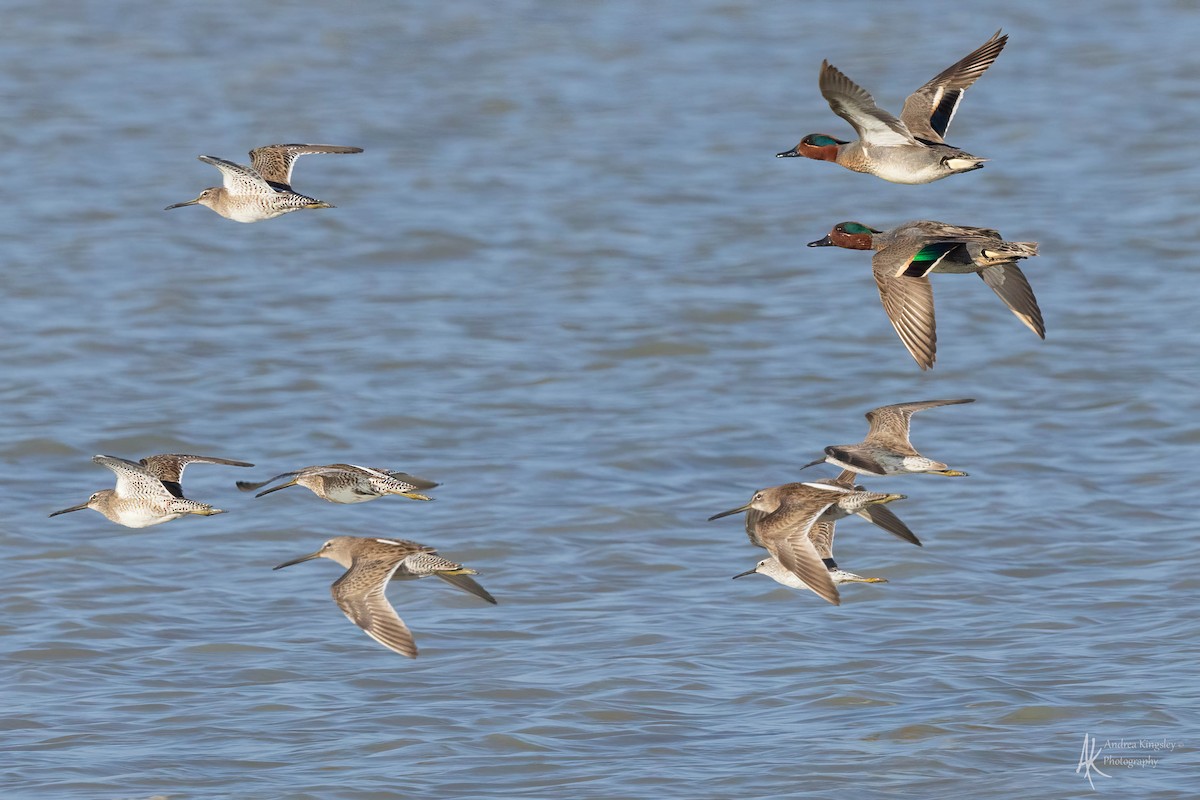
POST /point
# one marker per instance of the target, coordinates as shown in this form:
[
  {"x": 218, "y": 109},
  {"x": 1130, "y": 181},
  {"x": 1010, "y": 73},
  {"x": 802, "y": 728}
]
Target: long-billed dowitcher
[
  {"x": 887, "y": 450},
  {"x": 822, "y": 538},
  {"x": 789, "y": 513},
  {"x": 904, "y": 257},
  {"x": 262, "y": 190},
  {"x": 370, "y": 563},
  {"x": 148, "y": 492},
  {"x": 905, "y": 150},
  {"x": 346, "y": 483}
]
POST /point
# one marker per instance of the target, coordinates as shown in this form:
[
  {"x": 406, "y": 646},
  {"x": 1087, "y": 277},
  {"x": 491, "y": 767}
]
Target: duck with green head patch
[
  {"x": 909, "y": 149},
  {"x": 906, "y": 255}
]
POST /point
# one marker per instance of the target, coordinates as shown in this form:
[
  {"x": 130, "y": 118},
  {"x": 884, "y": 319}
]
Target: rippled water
[{"x": 567, "y": 279}]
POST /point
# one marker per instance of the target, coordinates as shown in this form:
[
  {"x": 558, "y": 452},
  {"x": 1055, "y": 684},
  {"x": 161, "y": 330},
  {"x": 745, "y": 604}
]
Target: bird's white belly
[
  {"x": 142, "y": 517},
  {"x": 781, "y": 574},
  {"x": 251, "y": 213},
  {"x": 347, "y": 495},
  {"x": 907, "y": 174}
]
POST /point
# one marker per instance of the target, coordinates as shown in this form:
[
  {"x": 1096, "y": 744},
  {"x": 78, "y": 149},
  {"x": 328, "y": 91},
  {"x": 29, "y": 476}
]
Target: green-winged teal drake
[
  {"x": 905, "y": 150},
  {"x": 907, "y": 254}
]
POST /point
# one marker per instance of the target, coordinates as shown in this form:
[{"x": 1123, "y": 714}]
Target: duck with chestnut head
[
  {"x": 909, "y": 149},
  {"x": 906, "y": 255}
]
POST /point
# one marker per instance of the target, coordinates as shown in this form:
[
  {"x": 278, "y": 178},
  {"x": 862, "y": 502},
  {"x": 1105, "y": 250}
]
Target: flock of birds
[
  {"x": 910, "y": 149},
  {"x": 794, "y": 522},
  {"x": 150, "y": 492}
]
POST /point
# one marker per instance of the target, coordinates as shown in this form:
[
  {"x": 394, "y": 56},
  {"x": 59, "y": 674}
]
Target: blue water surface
[{"x": 567, "y": 279}]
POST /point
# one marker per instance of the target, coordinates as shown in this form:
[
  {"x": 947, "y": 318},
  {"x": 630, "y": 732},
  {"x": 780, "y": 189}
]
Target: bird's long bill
[
  {"x": 416, "y": 496},
  {"x": 744, "y": 574},
  {"x": 181, "y": 205},
  {"x": 826, "y": 242},
  {"x": 795, "y": 151},
  {"x": 730, "y": 512},
  {"x": 250, "y": 486},
  {"x": 79, "y": 507},
  {"x": 813, "y": 463},
  {"x": 299, "y": 560},
  {"x": 275, "y": 488}
]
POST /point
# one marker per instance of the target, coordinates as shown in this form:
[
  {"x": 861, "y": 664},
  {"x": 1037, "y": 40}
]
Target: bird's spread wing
[
  {"x": 132, "y": 478},
  {"x": 883, "y": 516},
  {"x": 274, "y": 161},
  {"x": 822, "y": 538},
  {"x": 890, "y": 424},
  {"x": 929, "y": 110},
  {"x": 1011, "y": 286},
  {"x": 798, "y": 555},
  {"x": 909, "y": 306},
  {"x": 239, "y": 179},
  {"x": 855, "y": 105},
  {"x": 360, "y": 596},
  {"x": 789, "y": 542},
  {"x": 467, "y": 584},
  {"x": 169, "y": 467}
]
